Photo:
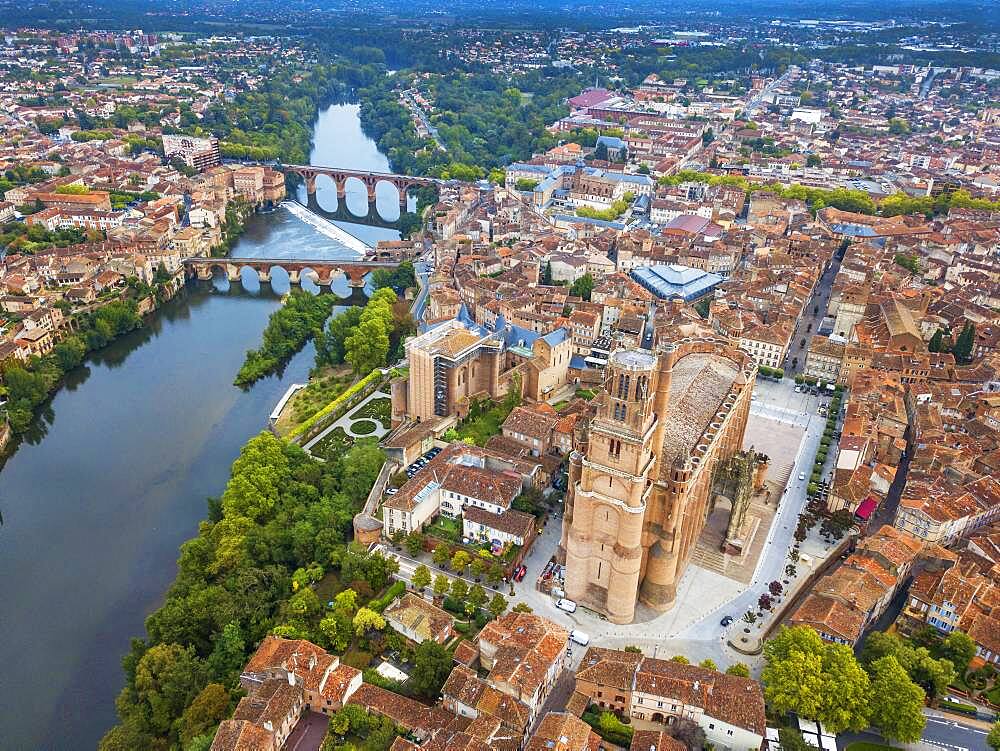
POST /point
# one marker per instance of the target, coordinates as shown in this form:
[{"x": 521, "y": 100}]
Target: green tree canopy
[
  {"x": 897, "y": 702},
  {"x": 431, "y": 667}
]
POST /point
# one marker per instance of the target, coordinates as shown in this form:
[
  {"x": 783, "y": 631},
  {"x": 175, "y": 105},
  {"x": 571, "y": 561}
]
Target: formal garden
[{"x": 371, "y": 420}]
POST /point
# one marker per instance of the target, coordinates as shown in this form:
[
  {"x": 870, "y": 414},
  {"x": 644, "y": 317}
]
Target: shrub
[
  {"x": 397, "y": 589},
  {"x": 955, "y": 706}
]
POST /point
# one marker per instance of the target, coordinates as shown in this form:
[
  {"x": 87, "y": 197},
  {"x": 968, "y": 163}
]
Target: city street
[
  {"x": 942, "y": 733},
  {"x": 811, "y": 319}
]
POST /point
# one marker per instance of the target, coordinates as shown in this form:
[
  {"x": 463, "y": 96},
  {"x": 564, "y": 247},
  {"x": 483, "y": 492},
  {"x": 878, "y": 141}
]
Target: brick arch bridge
[
  {"x": 402, "y": 183},
  {"x": 323, "y": 272}
]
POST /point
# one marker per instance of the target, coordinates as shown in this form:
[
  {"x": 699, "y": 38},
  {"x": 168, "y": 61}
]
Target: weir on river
[
  {"x": 327, "y": 228},
  {"x": 114, "y": 475}
]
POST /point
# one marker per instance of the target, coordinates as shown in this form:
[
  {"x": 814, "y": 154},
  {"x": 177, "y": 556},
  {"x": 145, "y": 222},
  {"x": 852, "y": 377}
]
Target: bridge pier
[{"x": 311, "y": 185}]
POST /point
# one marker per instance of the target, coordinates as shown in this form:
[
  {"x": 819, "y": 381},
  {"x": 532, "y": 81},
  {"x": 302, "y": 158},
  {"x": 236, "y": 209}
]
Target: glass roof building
[{"x": 674, "y": 281}]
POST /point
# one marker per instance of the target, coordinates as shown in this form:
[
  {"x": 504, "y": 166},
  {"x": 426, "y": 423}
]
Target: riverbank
[
  {"x": 111, "y": 478},
  {"x": 31, "y": 385}
]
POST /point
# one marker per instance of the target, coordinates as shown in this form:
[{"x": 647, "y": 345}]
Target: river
[{"x": 113, "y": 478}]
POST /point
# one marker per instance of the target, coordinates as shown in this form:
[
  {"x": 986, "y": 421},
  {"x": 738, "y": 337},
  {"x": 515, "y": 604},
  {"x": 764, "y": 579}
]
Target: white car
[
  {"x": 802, "y": 476},
  {"x": 568, "y": 605},
  {"x": 579, "y": 637}
]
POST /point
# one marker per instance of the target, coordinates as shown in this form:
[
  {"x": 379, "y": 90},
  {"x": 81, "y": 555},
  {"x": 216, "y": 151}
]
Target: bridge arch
[
  {"x": 327, "y": 192},
  {"x": 308, "y": 279}
]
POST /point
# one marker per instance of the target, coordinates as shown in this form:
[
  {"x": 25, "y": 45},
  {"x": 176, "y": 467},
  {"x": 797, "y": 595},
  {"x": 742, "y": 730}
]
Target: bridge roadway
[
  {"x": 339, "y": 176},
  {"x": 322, "y": 272}
]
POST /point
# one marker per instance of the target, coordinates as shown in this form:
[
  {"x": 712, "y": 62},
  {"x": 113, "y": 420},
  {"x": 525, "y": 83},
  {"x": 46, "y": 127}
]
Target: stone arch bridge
[
  {"x": 370, "y": 180},
  {"x": 323, "y": 273}
]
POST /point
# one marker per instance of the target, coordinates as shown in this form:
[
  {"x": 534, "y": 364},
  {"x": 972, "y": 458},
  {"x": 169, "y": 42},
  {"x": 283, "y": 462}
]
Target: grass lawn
[
  {"x": 329, "y": 587},
  {"x": 585, "y": 394},
  {"x": 558, "y": 406},
  {"x": 323, "y": 388},
  {"x": 446, "y": 529},
  {"x": 363, "y": 427},
  {"x": 356, "y": 658}
]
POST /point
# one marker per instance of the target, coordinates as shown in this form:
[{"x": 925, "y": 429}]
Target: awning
[{"x": 865, "y": 509}]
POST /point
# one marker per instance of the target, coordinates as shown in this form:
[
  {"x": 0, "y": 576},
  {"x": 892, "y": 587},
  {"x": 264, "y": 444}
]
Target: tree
[
  {"x": 993, "y": 739},
  {"x": 750, "y": 617},
  {"x": 337, "y": 631},
  {"x": 897, "y": 702},
  {"x": 959, "y": 648},
  {"x": 936, "y": 343},
  {"x": 964, "y": 344},
  {"x": 494, "y": 575},
  {"x": 547, "y": 274},
  {"x": 441, "y": 555},
  {"x": 431, "y": 666},
  {"x": 167, "y": 678},
  {"x": 498, "y": 605},
  {"x": 688, "y": 732},
  {"x": 475, "y": 600},
  {"x": 680, "y": 659},
  {"x": 421, "y": 577},
  {"x": 367, "y": 620},
  {"x": 816, "y": 680},
  {"x": 414, "y": 543},
  {"x": 441, "y": 584},
  {"x": 522, "y": 607},
  {"x": 459, "y": 589},
  {"x": 367, "y": 348},
  {"x": 478, "y": 568},
  {"x": 460, "y": 560},
  {"x": 792, "y": 740},
  {"x": 346, "y": 602},
  {"x": 583, "y": 287},
  {"x": 209, "y": 708},
  {"x": 633, "y": 648},
  {"x": 739, "y": 669},
  {"x": 775, "y": 588},
  {"x": 708, "y": 664}
]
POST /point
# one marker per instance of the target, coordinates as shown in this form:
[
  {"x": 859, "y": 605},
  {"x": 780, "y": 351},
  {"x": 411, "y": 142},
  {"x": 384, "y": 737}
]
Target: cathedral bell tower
[{"x": 611, "y": 488}]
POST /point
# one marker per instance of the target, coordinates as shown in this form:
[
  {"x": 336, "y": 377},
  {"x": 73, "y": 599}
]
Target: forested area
[
  {"x": 287, "y": 331},
  {"x": 282, "y": 522},
  {"x": 484, "y": 120},
  {"x": 275, "y": 121},
  {"x": 28, "y": 385},
  {"x": 366, "y": 338}
]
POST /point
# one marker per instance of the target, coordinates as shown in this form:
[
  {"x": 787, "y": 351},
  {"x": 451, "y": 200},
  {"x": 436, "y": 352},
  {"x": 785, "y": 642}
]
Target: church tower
[{"x": 609, "y": 489}]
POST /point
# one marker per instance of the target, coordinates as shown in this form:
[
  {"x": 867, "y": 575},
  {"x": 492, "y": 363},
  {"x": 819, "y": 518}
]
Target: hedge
[
  {"x": 397, "y": 589},
  {"x": 337, "y": 403},
  {"x": 955, "y": 706}
]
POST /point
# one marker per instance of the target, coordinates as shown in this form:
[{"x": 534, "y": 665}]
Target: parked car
[
  {"x": 726, "y": 621},
  {"x": 520, "y": 573},
  {"x": 391, "y": 491},
  {"x": 579, "y": 637},
  {"x": 568, "y": 605},
  {"x": 802, "y": 476}
]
